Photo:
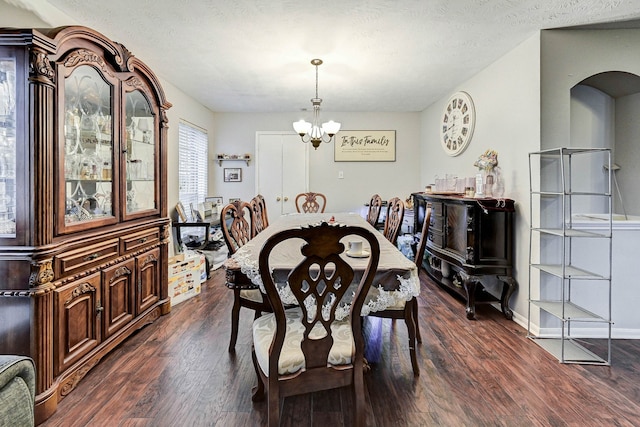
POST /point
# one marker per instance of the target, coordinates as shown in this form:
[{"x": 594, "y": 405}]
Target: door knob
[
  {"x": 286, "y": 199},
  {"x": 277, "y": 199}
]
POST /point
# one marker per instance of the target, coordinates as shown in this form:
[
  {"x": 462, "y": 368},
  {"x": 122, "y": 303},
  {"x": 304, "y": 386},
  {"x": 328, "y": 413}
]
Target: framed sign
[
  {"x": 232, "y": 175},
  {"x": 365, "y": 146}
]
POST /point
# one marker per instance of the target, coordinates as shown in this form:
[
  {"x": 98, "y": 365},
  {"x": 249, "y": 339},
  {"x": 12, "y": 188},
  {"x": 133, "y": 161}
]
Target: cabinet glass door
[
  {"x": 88, "y": 147},
  {"x": 140, "y": 165},
  {"x": 7, "y": 147}
]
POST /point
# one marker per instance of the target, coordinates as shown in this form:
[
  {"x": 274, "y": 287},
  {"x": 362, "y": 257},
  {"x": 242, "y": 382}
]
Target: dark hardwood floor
[{"x": 177, "y": 372}]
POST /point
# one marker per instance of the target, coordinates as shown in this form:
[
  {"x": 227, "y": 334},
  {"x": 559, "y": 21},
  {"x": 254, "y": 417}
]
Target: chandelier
[{"x": 314, "y": 132}]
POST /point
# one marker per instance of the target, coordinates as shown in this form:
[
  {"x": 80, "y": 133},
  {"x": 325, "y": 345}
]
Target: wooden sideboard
[{"x": 470, "y": 242}]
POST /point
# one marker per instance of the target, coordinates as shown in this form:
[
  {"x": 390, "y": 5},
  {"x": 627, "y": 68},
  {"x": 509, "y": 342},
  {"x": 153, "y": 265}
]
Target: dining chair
[
  {"x": 408, "y": 310},
  {"x": 393, "y": 221},
  {"x": 375, "y": 206},
  {"x": 259, "y": 219},
  {"x": 311, "y": 202},
  {"x": 305, "y": 349},
  {"x": 236, "y": 230}
]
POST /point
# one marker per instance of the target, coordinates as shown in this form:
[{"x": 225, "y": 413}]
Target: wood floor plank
[{"x": 178, "y": 371}]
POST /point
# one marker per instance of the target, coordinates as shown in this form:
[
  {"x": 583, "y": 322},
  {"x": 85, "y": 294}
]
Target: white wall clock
[{"x": 458, "y": 121}]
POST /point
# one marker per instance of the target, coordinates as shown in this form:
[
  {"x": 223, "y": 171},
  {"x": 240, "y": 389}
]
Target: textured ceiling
[{"x": 379, "y": 55}]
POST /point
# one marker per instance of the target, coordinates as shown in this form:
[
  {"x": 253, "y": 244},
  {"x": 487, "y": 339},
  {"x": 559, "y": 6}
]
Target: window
[{"x": 192, "y": 159}]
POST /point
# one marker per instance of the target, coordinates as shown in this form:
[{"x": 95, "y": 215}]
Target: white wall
[
  {"x": 627, "y": 152},
  {"x": 567, "y": 58},
  {"x": 183, "y": 108},
  {"x": 234, "y": 133},
  {"x": 11, "y": 16},
  {"x": 506, "y": 98},
  {"x": 592, "y": 125}
]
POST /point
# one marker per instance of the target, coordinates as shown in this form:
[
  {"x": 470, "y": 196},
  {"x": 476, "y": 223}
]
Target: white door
[{"x": 282, "y": 170}]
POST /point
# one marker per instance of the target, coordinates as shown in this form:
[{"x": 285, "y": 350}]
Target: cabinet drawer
[
  {"x": 437, "y": 239},
  {"x": 86, "y": 257},
  {"x": 140, "y": 240},
  {"x": 437, "y": 218},
  {"x": 437, "y": 209}
]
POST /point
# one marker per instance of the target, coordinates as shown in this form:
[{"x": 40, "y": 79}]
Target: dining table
[{"x": 396, "y": 279}]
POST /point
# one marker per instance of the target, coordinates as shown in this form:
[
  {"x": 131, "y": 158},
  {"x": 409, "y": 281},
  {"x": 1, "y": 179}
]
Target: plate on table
[{"x": 362, "y": 254}]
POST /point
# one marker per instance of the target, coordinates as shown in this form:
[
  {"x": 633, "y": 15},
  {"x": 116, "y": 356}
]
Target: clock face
[{"x": 458, "y": 121}]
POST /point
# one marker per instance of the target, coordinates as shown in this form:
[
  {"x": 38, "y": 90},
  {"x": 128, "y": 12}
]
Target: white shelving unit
[{"x": 564, "y": 183}]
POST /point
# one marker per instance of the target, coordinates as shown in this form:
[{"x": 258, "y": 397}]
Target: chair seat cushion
[
  {"x": 292, "y": 357},
  {"x": 251, "y": 295}
]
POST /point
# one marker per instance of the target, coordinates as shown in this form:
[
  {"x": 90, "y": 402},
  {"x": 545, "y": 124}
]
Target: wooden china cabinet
[{"x": 84, "y": 230}]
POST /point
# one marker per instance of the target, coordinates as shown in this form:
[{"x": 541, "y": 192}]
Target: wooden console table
[{"x": 469, "y": 239}]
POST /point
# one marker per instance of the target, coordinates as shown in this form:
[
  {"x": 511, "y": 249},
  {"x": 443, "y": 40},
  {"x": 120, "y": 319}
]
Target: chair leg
[
  {"x": 273, "y": 404},
  {"x": 235, "y": 320},
  {"x": 258, "y": 390},
  {"x": 408, "y": 318},
  {"x": 358, "y": 396},
  {"x": 415, "y": 320}
]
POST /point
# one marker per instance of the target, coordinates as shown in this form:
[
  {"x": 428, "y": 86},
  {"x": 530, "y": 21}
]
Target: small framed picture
[
  {"x": 234, "y": 199},
  {"x": 216, "y": 200},
  {"x": 232, "y": 174}
]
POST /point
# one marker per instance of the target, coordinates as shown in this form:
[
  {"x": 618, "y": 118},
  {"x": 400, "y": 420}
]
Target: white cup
[{"x": 355, "y": 247}]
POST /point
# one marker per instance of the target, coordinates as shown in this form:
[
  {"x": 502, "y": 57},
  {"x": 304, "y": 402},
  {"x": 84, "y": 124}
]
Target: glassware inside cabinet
[
  {"x": 88, "y": 146},
  {"x": 140, "y": 154},
  {"x": 7, "y": 147}
]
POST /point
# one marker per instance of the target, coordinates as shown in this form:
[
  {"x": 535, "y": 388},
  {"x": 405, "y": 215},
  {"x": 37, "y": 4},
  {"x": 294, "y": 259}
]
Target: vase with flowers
[{"x": 490, "y": 175}]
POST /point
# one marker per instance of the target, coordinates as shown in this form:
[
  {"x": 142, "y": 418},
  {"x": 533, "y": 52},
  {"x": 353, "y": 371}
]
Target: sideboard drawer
[
  {"x": 140, "y": 240},
  {"x": 87, "y": 257},
  {"x": 437, "y": 239}
]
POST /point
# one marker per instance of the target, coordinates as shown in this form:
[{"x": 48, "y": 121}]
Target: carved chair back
[
  {"x": 422, "y": 244},
  {"x": 259, "y": 219},
  {"x": 393, "y": 222},
  {"x": 375, "y": 206},
  {"x": 311, "y": 202},
  {"x": 235, "y": 225}
]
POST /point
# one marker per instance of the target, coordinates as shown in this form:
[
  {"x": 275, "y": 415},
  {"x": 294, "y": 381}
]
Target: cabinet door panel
[
  {"x": 77, "y": 312},
  {"x": 141, "y": 189},
  {"x": 86, "y": 147},
  {"x": 148, "y": 277},
  {"x": 456, "y": 230},
  {"x": 119, "y": 296}
]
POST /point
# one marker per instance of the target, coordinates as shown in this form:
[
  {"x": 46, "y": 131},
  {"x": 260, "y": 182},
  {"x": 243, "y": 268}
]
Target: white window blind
[{"x": 192, "y": 159}]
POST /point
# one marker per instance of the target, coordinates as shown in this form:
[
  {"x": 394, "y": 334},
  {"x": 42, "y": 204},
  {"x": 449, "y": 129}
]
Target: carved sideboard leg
[
  {"x": 470, "y": 283},
  {"x": 507, "y": 289}
]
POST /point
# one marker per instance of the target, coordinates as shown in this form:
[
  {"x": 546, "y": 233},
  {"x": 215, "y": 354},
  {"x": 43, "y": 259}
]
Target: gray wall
[
  {"x": 506, "y": 98},
  {"x": 235, "y": 133}
]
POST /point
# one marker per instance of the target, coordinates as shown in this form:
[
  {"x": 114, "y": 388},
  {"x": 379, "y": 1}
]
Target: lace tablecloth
[{"x": 396, "y": 279}]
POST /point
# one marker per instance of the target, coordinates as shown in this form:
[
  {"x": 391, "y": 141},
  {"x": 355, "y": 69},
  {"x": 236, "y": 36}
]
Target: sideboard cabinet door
[
  {"x": 77, "y": 311},
  {"x": 119, "y": 296},
  {"x": 148, "y": 270}
]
